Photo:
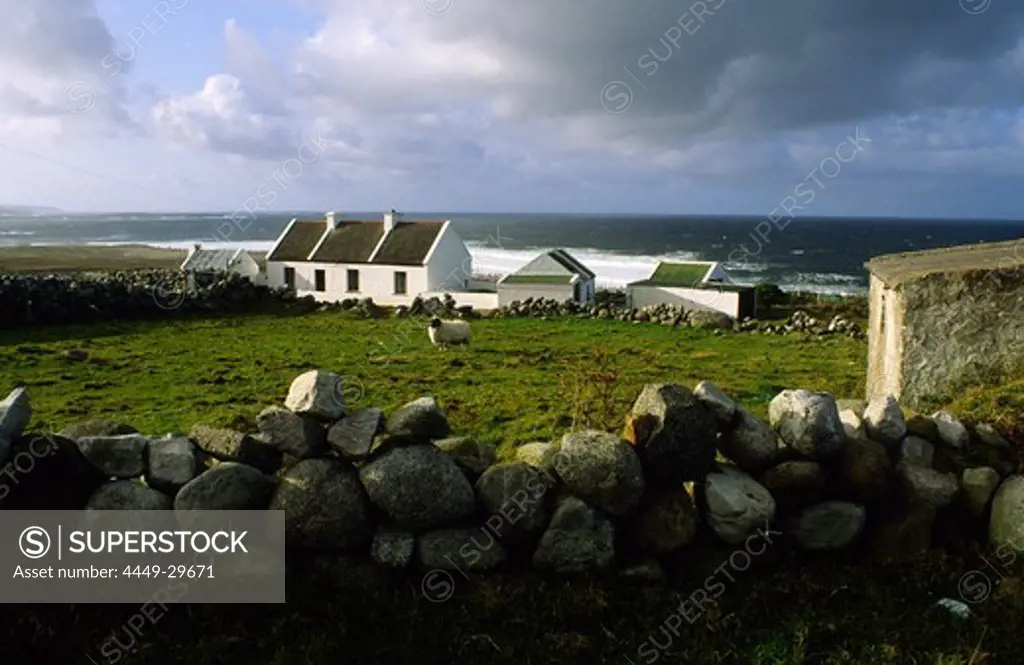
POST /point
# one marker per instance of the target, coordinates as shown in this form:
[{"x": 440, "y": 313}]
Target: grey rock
[
  {"x": 647, "y": 571},
  {"x": 1006, "y": 524},
  {"x": 853, "y": 426},
  {"x": 473, "y": 457},
  {"x": 852, "y": 404},
  {"x": 865, "y": 472},
  {"x": 602, "y": 469},
  {"x": 665, "y": 522},
  {"x": 578, "y": 539},
  {"x": 832, "y": 525},
  {"x": 226, "y": 486},
  {"x": 473, "y": 550},
  {"x": 173, "y": 463},
  {"x": 513, "y": 496},
  {"x": 928, "y": 485},
  {"x": 673, "y": 433},
  {"x": 979, "y": 484},
  {"x": 15, "y": 414},
  {"x": 116, "y": 456},
  {"x": 293, "y": 434},
  {"x": 232, "y": 446},
  {"x": 318, "y": 394},
  {"x": 951, "y": 431},
  {"x": 736, "y": 504},
  {"x": 924, "y": 427},
  {"x": 749, "y": 442},
  {"x": 795, "y": 484},
  {"x": 128, "y": 495},
  {"x": 808, "y": 423},
  {"x": 990, "y": 437},
  {"x": 710, "y": 320},
  {"x": 419, "y": 487},
  {"x": 716, "y": 401},
  {"x": 420, "y": 419},
  {"x": 352, "y": 436},
  {"x": 883, "y": 420},
  {"x": 541, "y": 456},
  {"x": 392, "y": 547},
  {"x": 98, "y": 427},
  {"x": 324, "y": 504},
  {"x": 917, "y": 451}
]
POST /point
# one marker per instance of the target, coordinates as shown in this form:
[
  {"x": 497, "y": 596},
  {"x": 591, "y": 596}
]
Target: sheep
[{"x": 443, "y": 333}]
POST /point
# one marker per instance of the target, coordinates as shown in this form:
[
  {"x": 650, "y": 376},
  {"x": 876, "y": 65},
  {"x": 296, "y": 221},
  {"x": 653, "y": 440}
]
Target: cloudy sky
[{"x": 910, "y": 108}]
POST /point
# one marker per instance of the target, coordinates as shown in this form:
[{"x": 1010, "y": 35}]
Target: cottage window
[
  {"x": 400, "y": 282},
  {"x": 353, "y": 280},
  {"x": 289, "y": 277},
  {"x": 320, "y": 280}
]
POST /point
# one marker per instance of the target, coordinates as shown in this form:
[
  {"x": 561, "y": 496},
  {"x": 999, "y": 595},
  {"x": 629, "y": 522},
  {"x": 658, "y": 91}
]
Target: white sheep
[{"x": 443, "y": 333}]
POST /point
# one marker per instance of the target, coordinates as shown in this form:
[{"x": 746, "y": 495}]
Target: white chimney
[
  {"x": 391, "y": 218},
  {"x": 333, "y": 219}
]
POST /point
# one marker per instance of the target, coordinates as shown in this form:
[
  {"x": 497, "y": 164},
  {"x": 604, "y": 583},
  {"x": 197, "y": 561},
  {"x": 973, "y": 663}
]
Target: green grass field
[{"x": 514, "y": 385}]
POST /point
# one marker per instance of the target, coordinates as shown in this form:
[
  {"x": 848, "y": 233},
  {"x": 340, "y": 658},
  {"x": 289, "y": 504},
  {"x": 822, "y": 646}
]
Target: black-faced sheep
[{"x": 444, "y": 333}]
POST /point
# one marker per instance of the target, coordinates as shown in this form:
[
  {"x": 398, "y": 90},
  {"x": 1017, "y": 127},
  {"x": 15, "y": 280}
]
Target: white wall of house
[
  {"x": 375, "y": 281},
  {"x": 509, "y": 293},
  {"x": 449, "y": 263},
  {"x": 712, "y": 299}
]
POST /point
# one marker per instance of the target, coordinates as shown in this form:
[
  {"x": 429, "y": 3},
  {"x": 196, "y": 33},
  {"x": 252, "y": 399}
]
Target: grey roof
[
  {"x": 408, "y": 243},
  {"x": 351, "y": 242},
  {"x": 571, "y": 263},
  {"x": 354, "y": 241},
  {"x": 556, "y": 262},
  {"x": 298, "y": 243},
  {"x": 211, "y": 260},
  {"x": 896, "y": 268}
]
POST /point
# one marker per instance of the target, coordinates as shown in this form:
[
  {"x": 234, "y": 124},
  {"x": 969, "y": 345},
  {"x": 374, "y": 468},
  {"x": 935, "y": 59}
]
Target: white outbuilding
[
  {"x": 555, "y": 274},
  {"x": 204, "y": 265}
]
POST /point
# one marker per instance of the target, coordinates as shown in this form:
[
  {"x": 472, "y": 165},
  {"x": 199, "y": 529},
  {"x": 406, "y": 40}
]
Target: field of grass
[{"x": 513, "y": 386}]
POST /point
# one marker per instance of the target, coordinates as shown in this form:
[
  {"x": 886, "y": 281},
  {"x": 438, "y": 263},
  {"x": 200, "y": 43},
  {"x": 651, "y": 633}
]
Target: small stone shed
[{"x": 944, "y": 318}]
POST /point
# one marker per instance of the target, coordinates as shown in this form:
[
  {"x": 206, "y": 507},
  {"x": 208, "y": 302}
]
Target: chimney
[
  {"x": 391, "y": 218},
  {"x": 333, "y": 219},
  {"x": 195, "y": 248}
]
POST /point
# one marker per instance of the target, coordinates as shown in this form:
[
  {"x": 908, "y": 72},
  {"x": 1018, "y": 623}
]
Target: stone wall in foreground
[{"x": 690, "y": 469}]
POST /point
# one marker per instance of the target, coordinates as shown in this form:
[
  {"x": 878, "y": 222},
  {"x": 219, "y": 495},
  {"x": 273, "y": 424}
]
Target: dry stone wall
[{"x": 691, "y": 468}]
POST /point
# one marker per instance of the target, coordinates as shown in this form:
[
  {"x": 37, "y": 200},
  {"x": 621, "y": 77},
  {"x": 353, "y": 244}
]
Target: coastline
[{"x": 77, "y": 258}]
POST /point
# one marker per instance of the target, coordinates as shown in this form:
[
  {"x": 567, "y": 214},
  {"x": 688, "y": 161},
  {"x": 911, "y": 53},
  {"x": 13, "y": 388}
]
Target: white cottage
[
  {"x": 555, "y": 274},
  {"x": 692, "y": 285},
  {"x": 391, "y": 261},
  {"x": 203, "y": 265}
]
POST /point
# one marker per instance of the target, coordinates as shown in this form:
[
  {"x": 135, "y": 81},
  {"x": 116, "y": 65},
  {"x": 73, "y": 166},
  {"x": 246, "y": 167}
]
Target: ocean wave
[{"x": 17, "y": 233}]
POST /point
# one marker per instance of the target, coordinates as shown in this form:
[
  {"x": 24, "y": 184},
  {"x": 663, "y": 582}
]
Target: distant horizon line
[{"x": 51, "y": 212}]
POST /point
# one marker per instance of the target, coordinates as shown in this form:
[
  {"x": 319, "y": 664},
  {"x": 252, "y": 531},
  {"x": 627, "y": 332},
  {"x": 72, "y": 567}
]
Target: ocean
[{"x": 807, "y": 254}]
